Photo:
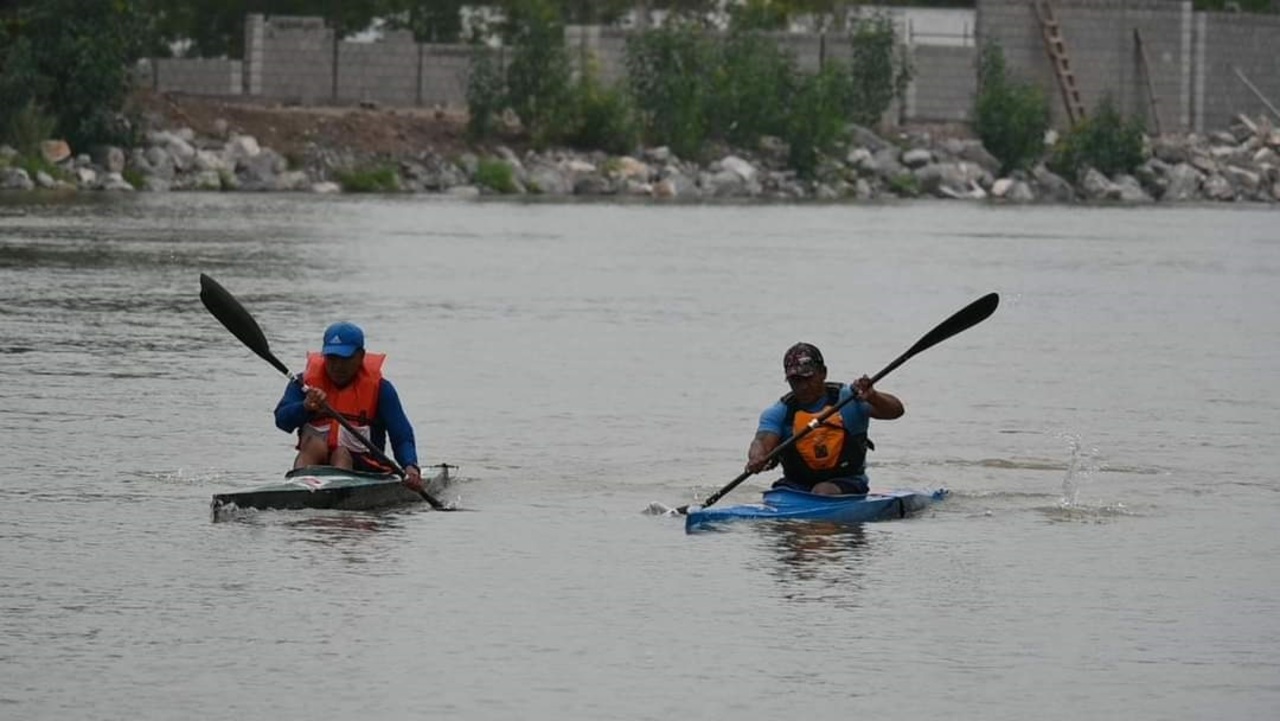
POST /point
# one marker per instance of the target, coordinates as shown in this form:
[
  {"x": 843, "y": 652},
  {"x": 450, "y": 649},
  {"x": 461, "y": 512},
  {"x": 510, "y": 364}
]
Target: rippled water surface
[{"x": 1109, "y": 549}]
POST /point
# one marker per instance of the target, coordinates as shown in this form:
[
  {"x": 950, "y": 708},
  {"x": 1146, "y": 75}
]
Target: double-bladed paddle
[
  {"x": 964, "y": 319},
  {"x": 231, "y": 314}
]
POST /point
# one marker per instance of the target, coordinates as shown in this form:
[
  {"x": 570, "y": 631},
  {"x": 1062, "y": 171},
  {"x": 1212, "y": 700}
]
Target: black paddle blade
[
  {"x": 231, "y": 314},
  {"x": 962, "y": 320}
]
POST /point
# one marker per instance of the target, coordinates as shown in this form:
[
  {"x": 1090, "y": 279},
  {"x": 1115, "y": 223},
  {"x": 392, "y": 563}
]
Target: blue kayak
[{"x": 790, "y": 504}]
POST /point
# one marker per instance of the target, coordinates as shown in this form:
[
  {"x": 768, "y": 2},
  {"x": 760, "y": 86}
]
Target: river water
[{"x": 1108, "y": 550}]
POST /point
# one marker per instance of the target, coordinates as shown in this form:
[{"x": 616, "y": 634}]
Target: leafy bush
[
  {"x": 1010, "y": 117},
  {"x": 758, "y": 15},
  {"x": 28, "y": 127},
  {"x": 496, "y": 175},
  {"x": 539, "y": 76},
  {"x": 906, "y": 185},
  {"x": 37, "y": 164},
  {"x": 878, "y": 76},
  {"x": 379, "y": 179},
  {"x": 486, "y": 93},
  {"x": 667, "y": 70},
  {"x": 816, "y": 117},
  {"x": 1104, "y": 141},
  {"x": 750, "y": 82},
  {"x": 134, "y": 177},
  {"x": 606, "y": 116}
]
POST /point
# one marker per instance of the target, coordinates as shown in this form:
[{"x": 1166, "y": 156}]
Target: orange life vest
[
  {"x": 357, "y": 401},
  {"x": 828, "y": 451}
]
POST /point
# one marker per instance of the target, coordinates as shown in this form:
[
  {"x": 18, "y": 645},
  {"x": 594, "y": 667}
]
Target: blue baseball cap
[{"x": 343, "y": 339}]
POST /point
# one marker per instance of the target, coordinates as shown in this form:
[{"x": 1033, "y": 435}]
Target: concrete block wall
[
  {"x": 944, "y": 85},
  {"x": 1231, "y": 41},
  {"x": 446, "y": 70},
  {"x": 198, "y": 76},
  {"x": 1103, "y": 52},
  {"x": 386, "y": 71},
  {"x": 1191, "y": 57},
  {"x": 297, "y": 60}
]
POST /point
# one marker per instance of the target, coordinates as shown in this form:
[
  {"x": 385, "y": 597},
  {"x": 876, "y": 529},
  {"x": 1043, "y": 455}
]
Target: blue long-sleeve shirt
[{"x": 390, "y": 420}]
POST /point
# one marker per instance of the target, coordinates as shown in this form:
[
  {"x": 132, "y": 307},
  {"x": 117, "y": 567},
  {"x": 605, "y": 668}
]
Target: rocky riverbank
[{"x": 1242, "y": 164}]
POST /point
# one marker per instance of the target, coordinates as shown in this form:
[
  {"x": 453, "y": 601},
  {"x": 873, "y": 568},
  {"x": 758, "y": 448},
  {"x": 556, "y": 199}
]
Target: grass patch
[
  {"x": 905, "y": 184},
  {"x": 37, "y": 164},
  {"x": 381, "y": 179},
  {"x": 496, "y": 175},
  {"x": 134, "y": 177}
]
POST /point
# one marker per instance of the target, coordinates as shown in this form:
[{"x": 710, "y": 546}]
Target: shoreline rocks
[{"x": 1242, "y": 165}]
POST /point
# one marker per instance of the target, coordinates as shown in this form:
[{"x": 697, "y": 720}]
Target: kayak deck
[
  {"x": 781, "y": 504},
  {"x": 331, "y": 488}
]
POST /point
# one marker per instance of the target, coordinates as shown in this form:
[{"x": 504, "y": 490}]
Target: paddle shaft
[
  {"x": 962, "y": 320},
  {"x": 368, "y": 444},
  {"x": 235, "y": 318}
]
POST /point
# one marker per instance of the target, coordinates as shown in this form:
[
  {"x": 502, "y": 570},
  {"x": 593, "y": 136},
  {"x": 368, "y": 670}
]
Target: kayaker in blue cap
[
  {"x": 350, "y": 380},
  {"x": 830, "y": 460}
]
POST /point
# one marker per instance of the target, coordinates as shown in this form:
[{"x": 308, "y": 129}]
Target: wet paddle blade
[
  {"x": 231, "y": 314},
  {"x": 962, "y": 320}
]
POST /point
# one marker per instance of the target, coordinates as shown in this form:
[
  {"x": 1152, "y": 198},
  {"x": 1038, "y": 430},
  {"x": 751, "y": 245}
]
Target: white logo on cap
[{"x": 335, "y": 339}]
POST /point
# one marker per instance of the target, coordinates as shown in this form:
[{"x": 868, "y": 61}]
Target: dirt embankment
[{"x": 397, "y": 132}]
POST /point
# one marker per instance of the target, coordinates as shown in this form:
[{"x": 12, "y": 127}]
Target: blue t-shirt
[
  {"x": 856, "y": 415},
  {"x": 390, "y": 421}
]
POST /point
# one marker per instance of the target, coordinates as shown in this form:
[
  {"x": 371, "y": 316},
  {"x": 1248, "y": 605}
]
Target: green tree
[
  {"x": 539, "y": 76},
  {"x": 879, "y": 74},
  {"x": 71, "y": 58},
  {"x": 431, "y": 21},
  {"x": 1010, "y": 117},
  {"x": 669, "y": 72}
]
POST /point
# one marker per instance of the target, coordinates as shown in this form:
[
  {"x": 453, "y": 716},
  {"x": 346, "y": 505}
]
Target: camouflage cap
[{"x": 804, "y": 360}]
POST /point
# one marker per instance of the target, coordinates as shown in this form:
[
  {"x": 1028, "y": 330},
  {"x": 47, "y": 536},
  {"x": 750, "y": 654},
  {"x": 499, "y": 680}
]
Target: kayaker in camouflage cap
[{"x": 830, "y": 460}]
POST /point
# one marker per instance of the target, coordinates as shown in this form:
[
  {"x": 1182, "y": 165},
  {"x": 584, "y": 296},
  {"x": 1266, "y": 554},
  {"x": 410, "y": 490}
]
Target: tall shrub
[
  {"x": 539, "y": 76},
  {"x": 816, "y": 117},
  {"x": 1010, "y": 117},
  {"x": 751, "y": 81},
  {"x": 606, "y": 116},
  {"x": 878, "y": 72},
  {"x": 486, "y": 92},
  {"x": 669, "y": 72},
  {"x": 1104, "y": 140}
]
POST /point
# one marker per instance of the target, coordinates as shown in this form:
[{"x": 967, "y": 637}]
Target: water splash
[{"x": 1082, "y": 463}]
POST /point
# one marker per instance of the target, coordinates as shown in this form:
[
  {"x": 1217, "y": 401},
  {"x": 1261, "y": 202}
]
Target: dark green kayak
[{"x": 329, "y": 487}]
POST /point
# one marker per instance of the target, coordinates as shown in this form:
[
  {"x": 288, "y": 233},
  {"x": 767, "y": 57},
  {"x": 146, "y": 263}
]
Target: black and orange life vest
[
  {"x": 828, "y": 451},
  {"x": 357, "y": 401}
]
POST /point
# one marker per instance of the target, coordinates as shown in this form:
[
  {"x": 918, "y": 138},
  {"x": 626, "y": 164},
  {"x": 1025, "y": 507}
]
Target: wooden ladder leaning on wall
[
  {"x": 1056, "y": 48},
  {"x": 1145, "y": 63}
]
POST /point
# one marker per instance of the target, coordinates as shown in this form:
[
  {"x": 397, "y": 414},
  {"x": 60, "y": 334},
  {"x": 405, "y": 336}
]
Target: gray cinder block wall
[
  {"x": 1192, "y": 56},
  {"x": 199, "y": 76},
  {"x": 1099, "y": 37},
  {"x": 297, "y": 60},
  {"x": 1233, "y": 45},
  {"x": 385, "y": 71},
  {"x": 944, "y": 85},
  {"x": 446, "y": 72},
  {"x": 1196, "y": 62}
]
